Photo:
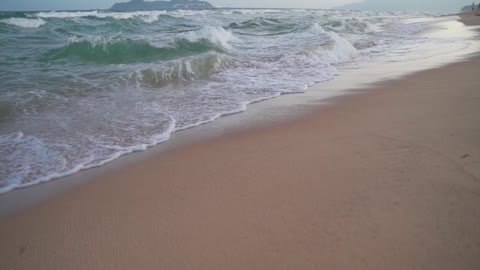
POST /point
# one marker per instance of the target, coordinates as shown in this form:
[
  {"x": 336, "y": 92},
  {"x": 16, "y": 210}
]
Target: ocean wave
[
  {"x": 146, "y": 16},
  {"x": 254, "y": 23},
  {"x": 340, "y": 51},
  {"x": 264, "y": 27},
  {"x": 194, "y": 68},
  {"x": 65, "y": 14},
  {"x": 245, "y": 24},
  {"x": 8, "y": 15},
  {"x": 333, "y": 50},
  {"x": 251, "y": 11},
  {"x": 212, "y": 34},
  {"x": 24, "y": 22},
  {"x": 117, "y": 50},
  {"x": 352, "y": 25}
]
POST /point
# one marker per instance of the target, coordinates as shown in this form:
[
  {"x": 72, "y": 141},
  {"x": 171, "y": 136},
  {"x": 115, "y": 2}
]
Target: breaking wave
[
  {"x": 348, "y": 25},
  {"x": 146, "y": 16},
  {"x": 194, "y": 68},
  {"x": 118, "y": 50},
  {"x": 24, "y": 22}
]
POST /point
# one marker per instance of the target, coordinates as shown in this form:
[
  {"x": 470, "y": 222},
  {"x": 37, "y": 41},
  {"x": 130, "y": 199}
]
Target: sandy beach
[
  {"x": 388, "y": 178},
  {"x": 471, "y": 18}
]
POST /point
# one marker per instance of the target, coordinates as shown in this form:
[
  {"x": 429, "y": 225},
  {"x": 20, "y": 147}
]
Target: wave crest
[
  {"x": 112, "y": 50},
  {"x": 352, "y": 25},
  {"x": 334, "y": 50},
  {"x": 146, "y": 16},
  {"x": 215, "y": 35},
  {"x": 195, "y": 68},
  {"x": 263, "y": 27},
  {"x": 24, "y": 22}
]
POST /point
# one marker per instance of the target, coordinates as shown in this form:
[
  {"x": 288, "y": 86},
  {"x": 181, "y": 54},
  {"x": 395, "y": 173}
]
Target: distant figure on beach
[{"x": 473, "y": 6}]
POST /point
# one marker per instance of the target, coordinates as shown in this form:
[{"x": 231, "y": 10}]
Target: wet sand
[{"x": 385, "y": 179}]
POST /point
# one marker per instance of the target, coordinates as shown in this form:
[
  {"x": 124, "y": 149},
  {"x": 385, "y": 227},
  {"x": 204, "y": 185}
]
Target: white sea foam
[
  {"x": 255, "y": 11},
  {"x": 149, "y": 18},
  {"x": 146, "y": 16},
  {"x": 404, "y": 28},
  {"x": 66, "y": 14},
  {"x": 216, "y": 35},
  {"x": 24, "y": 22},
  {"x": 94, "y": 41},
  {"x": 336, "y": 49},
  {"x": 23, "y": 152},
  {"x": 342, "y": 49}
]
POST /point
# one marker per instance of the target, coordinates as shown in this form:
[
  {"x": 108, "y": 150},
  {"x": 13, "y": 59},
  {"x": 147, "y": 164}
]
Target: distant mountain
[
  {"x": 137, "y": 5},
  {"x": 409, "y": 5}
]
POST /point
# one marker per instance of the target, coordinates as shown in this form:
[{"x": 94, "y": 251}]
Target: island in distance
[{"x": 141, "y": 5}]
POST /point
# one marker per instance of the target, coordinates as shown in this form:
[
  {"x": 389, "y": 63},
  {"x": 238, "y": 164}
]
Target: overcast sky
[{"x": 103, "y": 4}]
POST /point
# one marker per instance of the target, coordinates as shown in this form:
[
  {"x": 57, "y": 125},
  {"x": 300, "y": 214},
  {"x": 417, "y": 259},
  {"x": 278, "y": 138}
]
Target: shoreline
[
  {"x": 385, "y": 177},
  {"x": 258, "y": 115}
]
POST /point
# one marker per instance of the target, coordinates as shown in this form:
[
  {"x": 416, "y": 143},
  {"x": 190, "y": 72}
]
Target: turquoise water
[{"x": 80, "y": 89}]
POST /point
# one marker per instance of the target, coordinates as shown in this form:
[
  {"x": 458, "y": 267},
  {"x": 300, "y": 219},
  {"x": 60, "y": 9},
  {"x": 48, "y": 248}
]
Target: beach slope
[{"x": 386, "y": 179}]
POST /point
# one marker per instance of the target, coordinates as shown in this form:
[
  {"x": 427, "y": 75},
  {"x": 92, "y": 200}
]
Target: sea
[{"x": 80, "y": 89}]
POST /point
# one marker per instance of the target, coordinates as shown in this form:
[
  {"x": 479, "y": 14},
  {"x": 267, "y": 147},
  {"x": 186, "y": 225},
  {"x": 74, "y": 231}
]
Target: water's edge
[
  {"x": 259, "y": 115},
  {"x": 89, "y": 99}
]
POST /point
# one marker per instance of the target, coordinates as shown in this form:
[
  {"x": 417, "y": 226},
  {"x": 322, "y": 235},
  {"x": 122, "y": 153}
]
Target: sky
[{"x": 426, "y": 5}]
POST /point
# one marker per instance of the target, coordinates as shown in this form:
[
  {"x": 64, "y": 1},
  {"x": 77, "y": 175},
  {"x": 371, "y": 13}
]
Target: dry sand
[
  {"x": 387, "y": 179},
  {"x": 471, "y": 18}
]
